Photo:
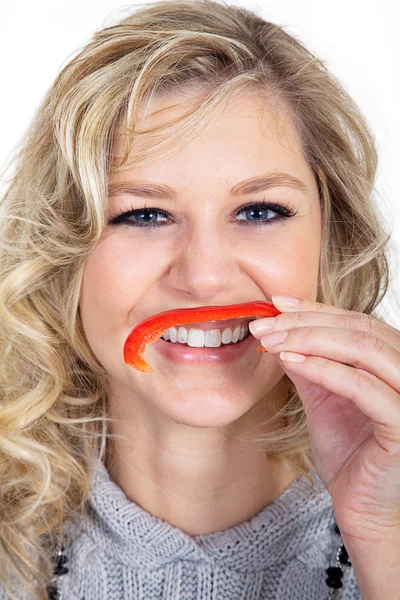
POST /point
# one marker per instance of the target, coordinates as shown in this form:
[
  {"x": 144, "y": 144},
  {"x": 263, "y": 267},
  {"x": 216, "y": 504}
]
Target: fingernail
[
  {"x": 272, "y": 339},
  {"x": 292, "y": 357},
  {"x": 262, "y": 325},
  {"x": 285, "y": 301}
]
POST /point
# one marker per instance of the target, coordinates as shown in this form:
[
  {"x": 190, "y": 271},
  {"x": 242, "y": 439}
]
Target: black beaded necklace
[
  {"x": 335, "y": 573},
  {"x": 333, "y": 581}
]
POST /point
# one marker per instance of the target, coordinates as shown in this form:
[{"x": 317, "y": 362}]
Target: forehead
[
  {"x": 248, "y": 137},
  {"x": 246, "y": 118}
]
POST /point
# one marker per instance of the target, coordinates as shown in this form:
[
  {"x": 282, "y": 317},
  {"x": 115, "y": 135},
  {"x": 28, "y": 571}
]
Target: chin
[{"x": 211, "y": 411}]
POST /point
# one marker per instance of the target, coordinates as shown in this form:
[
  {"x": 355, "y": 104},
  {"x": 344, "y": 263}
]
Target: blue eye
[
  {"x": 147, "y": 217},
  {"x": 257, "y": 213}
]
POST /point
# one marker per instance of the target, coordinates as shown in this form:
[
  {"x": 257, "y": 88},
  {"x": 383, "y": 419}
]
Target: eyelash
[{"x": 285, "y": 211}]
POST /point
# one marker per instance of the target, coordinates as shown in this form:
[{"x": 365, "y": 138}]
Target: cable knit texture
[{"x": 124, "y": 553}]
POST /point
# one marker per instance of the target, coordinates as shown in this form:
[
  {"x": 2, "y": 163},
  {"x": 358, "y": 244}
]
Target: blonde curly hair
[{"x": 53, "y": 391}]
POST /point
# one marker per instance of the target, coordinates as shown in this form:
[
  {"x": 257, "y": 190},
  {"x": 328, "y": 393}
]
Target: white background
[{"x": 357, "y": 39}]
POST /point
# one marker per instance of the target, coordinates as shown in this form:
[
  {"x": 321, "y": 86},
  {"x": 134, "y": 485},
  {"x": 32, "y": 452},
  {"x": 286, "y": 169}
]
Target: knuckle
[
  {"x": 369, "y": 323},
  {"x": 350, "y": 321},
  {"x": 324, "y": 365},
  {"x": 303, "y": 335},
  {"x": 307, "y": 334},
  {"x": 319, "y": 307},
  {"x": 364, "y": 381},
  {"x": 298, "y": 318},
  {"x": 365, "y": 322},
  {"x": 367, "y": 342}
]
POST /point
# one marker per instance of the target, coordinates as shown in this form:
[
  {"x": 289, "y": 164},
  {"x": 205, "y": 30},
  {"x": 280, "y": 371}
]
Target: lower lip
[{"x": 215, "y": 356}]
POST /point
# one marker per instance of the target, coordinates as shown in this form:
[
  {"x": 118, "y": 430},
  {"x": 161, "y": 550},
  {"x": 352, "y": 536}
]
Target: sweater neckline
[{"x": 128, "y": 534}]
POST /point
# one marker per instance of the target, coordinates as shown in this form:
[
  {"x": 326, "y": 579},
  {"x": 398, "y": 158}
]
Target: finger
[
  {"x": 327, "y": 317},
  {"x": 373, "y": 397},
  {"x": 358, "y": 349},
  {"x": 289, "y": 303}
]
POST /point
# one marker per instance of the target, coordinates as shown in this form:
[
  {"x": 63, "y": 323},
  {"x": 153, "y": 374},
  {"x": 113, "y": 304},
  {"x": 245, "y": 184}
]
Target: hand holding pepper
[{"x": 346, "y": 369}]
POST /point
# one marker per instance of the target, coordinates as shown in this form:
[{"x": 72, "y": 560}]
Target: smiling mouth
[
  {"x": 155, "y": 329},
  {"x": 206, "y": 337},
  {"x": 222, "y": 344}
]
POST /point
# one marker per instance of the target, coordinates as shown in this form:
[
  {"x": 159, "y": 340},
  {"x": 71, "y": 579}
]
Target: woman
[{"x": 196, "y": 156}]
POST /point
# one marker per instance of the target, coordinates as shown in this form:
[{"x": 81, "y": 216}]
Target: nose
[{"x": 205, "y": 265}]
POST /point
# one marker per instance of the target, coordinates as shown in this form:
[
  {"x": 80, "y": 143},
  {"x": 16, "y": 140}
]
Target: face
[{"x": 209, "y": 248}]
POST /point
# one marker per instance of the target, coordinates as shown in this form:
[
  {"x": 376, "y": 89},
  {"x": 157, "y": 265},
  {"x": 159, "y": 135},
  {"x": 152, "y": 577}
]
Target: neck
[{"x": 199, "y": 492}]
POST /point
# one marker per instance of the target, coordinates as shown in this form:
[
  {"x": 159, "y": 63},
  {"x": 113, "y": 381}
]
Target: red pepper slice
[{"x": 152, "y": 328}]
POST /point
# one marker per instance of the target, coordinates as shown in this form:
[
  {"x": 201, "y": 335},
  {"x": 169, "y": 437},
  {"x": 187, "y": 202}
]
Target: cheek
[
  {"x": 301, "y": 264},
  {"x": 290, "y": 264},
  {"x": 115, "y": 278}
]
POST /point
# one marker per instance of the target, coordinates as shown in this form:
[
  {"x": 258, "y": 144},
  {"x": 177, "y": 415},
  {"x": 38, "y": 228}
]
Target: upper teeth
[{"x": 211, "y": 338}]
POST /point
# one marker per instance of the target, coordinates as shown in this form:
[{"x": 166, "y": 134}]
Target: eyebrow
[{"x": 247, "y": 186}]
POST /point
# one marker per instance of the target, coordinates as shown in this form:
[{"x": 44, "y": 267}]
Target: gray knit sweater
[{"x": 124, "y": 553}]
